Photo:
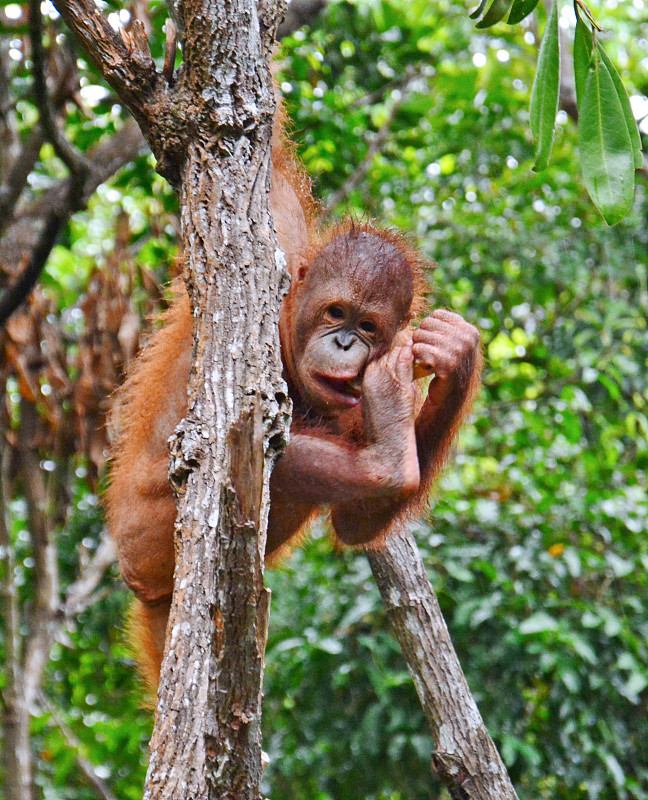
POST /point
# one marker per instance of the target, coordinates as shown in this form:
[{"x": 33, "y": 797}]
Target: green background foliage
[{"x": 535, "y": 538}]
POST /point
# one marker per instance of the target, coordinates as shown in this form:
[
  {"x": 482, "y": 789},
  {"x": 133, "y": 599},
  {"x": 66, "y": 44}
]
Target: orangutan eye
[
  {"x": 368, "y": 327},
  {"x": 335, "y": 312}
]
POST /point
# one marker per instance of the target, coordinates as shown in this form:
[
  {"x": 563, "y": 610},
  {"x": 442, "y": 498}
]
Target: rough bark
[
  {"x": 207, "y": 740},
  {"x": 210, "y": 128},
  {"x": 125, "y": 61},
  {"x": 465, "y": 756}
]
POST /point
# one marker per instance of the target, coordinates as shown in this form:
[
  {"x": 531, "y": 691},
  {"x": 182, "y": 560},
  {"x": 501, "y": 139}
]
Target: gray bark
[
  {"x": 207, "y": 740},
  {"x": 210, "y": 128},
  {"x": 465, "y": 756}
]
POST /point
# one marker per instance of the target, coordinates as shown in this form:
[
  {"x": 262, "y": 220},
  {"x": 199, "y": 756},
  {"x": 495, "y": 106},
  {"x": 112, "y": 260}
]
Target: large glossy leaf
[
  {"x": 498, "y": 10},
  {"x": 582, "y": 57},
  {"x": 606, "y": 151},
  {"x": 544, "y": 96},
  {"x": 633, "y": 130},
  {"x": 521, "y": 9}
]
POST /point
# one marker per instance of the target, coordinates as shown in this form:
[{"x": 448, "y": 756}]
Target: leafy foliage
[{"x": 610, "y": 151}]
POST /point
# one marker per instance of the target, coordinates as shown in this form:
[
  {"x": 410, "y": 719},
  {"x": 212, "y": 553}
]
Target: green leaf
[
  {"x": 520, "y": 10},
  {"x": 635, "y": 684},
  {"x": 544, "y": 96},
  {"x": 329, "y": 645},
  {"x": 582, "y": 58},
  {"x": 479, "y": 10},
  {"x": 606, "y": 151},
  {"x": 538, "y": 623},
  {"x": 497, "y": 11},
  {"x": 633, "y": 130}
]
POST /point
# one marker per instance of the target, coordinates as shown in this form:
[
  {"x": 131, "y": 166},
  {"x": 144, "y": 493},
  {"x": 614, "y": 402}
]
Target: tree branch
[
  {"x": 8, "y": 128},
  {"x": 20, "y": 290},
  {"x": 46, "y": 606},
  {"x": 16, "y": 750},
  {"x": 87, "y": 767},
  {"x": 465, "y": 756},
  {"x": 17, "y": 176},
  {"x": 124, "y": 60},
  {"x": 19, "y": 166},
  {"x": 69, "y": 155},
  {"x": 38, "y": 227},
  {"x": 209, "y": 698}
]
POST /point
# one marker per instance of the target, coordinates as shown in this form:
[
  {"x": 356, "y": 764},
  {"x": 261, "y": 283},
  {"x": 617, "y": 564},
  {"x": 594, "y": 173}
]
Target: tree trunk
[
  {"x": 207, "y": 739},
  {"x": 16, "y": 747},
  {"x": 210, "y": 129}
]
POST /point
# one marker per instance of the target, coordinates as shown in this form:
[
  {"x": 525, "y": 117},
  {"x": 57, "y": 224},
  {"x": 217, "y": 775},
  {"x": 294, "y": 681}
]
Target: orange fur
[
  {"x": 146, "y": 647},
  {"x": 140, "y": 505}
]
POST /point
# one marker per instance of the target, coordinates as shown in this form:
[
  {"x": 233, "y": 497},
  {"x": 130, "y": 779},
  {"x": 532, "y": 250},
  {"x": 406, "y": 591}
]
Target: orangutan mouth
[{"x": 346, "y": 390}]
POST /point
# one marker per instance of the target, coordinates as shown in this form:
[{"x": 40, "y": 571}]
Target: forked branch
[
  {"x": 123, "y": 58},
  {"x": 73, "y": 159}
]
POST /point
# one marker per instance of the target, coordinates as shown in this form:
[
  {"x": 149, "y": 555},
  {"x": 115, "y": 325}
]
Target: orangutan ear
[{"x": 301, "y": 274}]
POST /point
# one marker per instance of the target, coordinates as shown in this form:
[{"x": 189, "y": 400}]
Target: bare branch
[
  {"x": 465, "y": 756},
  {"x": 17, "y": 176},
  {"x": 19, "y": 166},
  {"x": 100, "y": 788},
  {"x": 80, "y": 595},
  {"x": 37, "y": 229},
  {"x": 46, "y": 574},
  {"x": 122, "y": 58},
  {"x": 69, "y": 155},
  {"x": 20, "y": 290},
  {"x": 8, "y": 128}
]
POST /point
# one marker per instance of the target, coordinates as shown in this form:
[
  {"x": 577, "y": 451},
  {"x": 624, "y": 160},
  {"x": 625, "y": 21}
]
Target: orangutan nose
[{"x": 344, "y": 340}]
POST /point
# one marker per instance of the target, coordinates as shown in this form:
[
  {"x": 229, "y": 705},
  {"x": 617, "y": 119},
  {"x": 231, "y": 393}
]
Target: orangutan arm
[
  {"x": 448, "y": 346},
  {"x": 321, "y": 469}
]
